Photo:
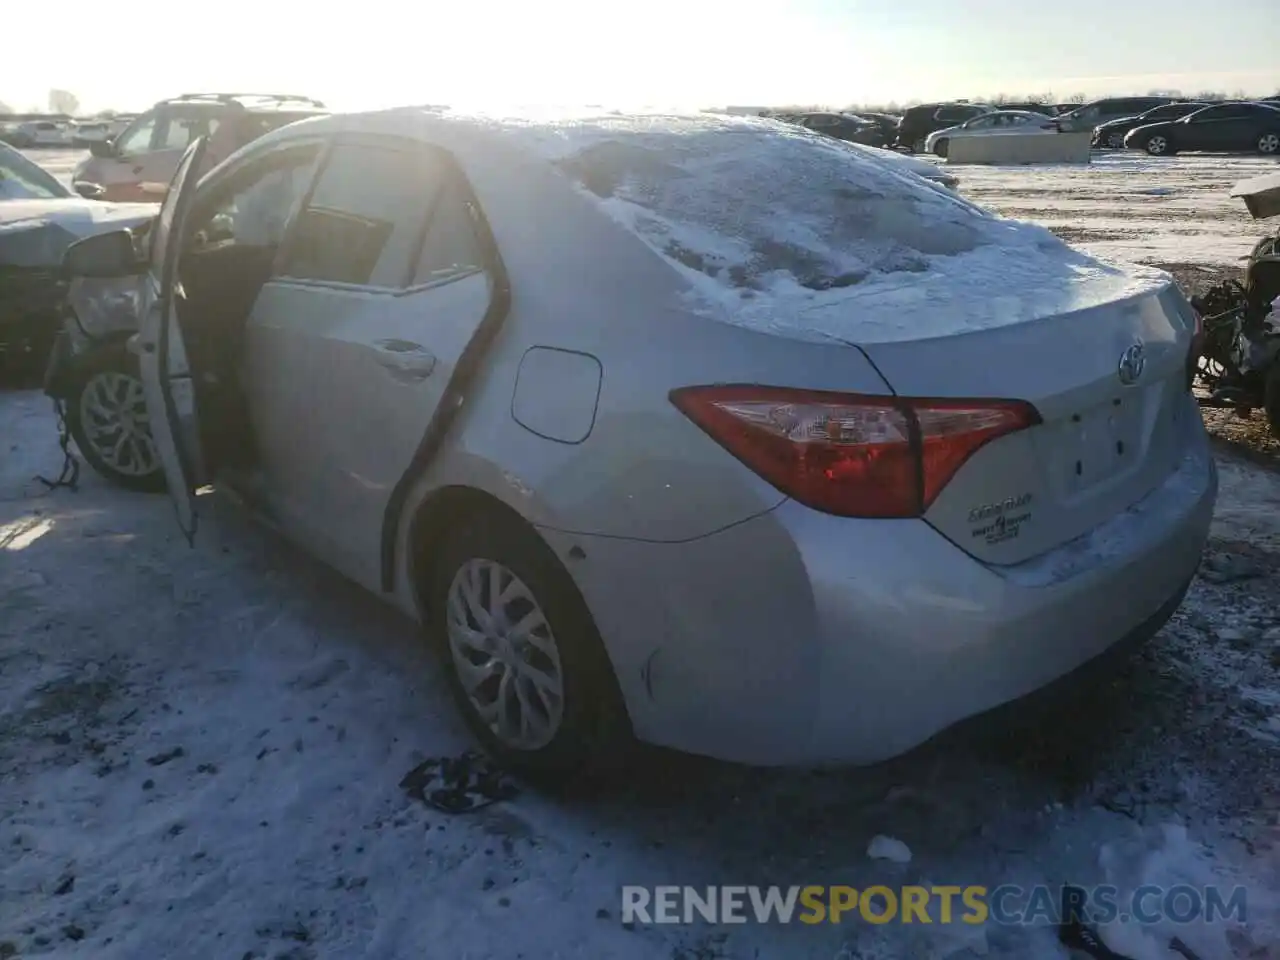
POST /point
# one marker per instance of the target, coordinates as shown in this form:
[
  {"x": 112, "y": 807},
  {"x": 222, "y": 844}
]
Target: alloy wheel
[
  {"x": 1115, "y": 141},
  {"x": 113, "y": 414},
  {"x": 1157, "y": 145},
  {"x": 1269, "y": 143},
  {"x": 505, "y": 655}
]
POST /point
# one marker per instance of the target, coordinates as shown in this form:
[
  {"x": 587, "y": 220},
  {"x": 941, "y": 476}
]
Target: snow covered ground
[
  {"x": 1128, "y": 206},
  {"x": 200, "y": 752}
]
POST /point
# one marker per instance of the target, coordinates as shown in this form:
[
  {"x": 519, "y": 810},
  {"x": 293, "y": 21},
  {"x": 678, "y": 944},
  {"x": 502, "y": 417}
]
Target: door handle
[{"x": 405, "y": 357}]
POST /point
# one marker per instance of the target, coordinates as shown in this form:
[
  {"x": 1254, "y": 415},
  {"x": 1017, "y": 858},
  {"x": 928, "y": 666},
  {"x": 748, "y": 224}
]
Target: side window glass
[
  {"x": 138, "y": 139},
  {"x": 256, "y": 210},
  {"x": 451, "y": 247},
  {"x": 362, "y": 223},
  {"x": 178, "y": 132}
]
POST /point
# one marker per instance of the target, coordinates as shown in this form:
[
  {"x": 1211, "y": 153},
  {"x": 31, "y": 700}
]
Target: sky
[{"x": 371, "y": 53}]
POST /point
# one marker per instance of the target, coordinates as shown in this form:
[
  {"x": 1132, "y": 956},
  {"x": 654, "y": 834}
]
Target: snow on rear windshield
[{"x": 755, "y": 205}]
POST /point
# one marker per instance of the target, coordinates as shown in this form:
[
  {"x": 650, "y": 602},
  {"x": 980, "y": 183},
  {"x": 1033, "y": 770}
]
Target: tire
[
  {"x": 106, "y": 384},
  {"x": 1269, "y": 144},
  {"x": 1158, "y": 145},
  {"x": 1115, "y": 141},
  {"x": 1271, "y": 397},
  {"x": 579, "y": 732},
  {"x": 940, "y": 147}
]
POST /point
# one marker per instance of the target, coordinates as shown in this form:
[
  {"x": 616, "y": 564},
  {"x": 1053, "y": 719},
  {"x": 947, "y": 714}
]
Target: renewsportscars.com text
[{"x": 1006, "y": 904}]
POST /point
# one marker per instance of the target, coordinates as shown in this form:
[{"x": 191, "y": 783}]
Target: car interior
[{"x": 228, "y": 254}]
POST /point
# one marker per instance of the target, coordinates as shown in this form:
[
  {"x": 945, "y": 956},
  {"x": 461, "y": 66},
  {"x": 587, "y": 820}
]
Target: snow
[
  {"x": 299, "y": 702},
  {"x": 1128, "y": 207}
]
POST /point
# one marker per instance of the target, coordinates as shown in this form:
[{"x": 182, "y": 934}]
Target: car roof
[
  {"x": 253, "y": 102},
  {"x": 551, "y": 135}
]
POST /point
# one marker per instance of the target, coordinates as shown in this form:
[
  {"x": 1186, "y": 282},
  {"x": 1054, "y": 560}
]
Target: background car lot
[{"x": 269, "y": 671}]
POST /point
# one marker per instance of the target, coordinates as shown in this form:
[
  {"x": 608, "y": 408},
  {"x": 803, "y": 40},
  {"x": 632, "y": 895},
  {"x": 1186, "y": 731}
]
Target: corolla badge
[{"x": 1132, "y": 362}]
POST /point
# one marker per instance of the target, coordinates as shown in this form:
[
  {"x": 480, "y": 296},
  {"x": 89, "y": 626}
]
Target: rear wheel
[
  {"x": 1159, "y": 146},
  {"x": 1115, "y": 141},
  {"x": 940, "y": 147},
  {"x": 1269, "y": 143},
  {"x": 524, "y": 660},
  {"x": 107, "y": 416}
]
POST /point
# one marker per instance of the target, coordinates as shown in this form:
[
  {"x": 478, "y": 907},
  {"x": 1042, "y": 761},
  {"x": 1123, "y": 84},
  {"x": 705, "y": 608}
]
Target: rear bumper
[{"x": 799, "y": 638}]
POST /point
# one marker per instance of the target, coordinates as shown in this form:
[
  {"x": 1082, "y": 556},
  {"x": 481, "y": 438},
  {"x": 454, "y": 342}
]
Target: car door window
[
  {"x": 177, "y": 132},
  {"x": 254, "y": 206},
  {"x": 1209, "y": 115},
  {"x": 981, "y": 123},
  {"x": 363, "y": 222},
  {"x": 451, "y": 246},
  {"x": 137, "y": 139}
]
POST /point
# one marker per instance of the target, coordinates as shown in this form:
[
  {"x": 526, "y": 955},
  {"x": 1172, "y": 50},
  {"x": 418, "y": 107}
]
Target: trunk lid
[{"x": 1108, "y": 376}]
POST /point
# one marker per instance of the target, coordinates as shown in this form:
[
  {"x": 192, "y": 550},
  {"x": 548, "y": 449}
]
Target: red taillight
[{"x": 849, "y": 454}]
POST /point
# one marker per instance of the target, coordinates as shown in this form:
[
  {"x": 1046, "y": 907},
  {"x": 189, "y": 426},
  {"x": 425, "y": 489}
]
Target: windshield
[
  {"x": 752, "y": 205},
  {"x": 21, "y": 179}
]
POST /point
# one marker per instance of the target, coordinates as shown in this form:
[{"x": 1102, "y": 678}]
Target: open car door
[{"x": 162, "y": 356}]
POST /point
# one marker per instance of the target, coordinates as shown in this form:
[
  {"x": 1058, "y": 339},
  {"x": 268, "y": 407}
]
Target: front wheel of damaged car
[
  {"x": 524, "y": 659},
  {"x": 107, "y": 416}
]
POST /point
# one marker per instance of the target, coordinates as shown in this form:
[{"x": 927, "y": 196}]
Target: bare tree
[
  {"x": 63, "y": 101},
  {"x": 1078, "y": 98}
]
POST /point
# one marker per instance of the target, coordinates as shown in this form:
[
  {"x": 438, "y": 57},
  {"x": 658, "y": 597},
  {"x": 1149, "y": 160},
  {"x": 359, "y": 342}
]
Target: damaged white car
[{"x": 696, "y": 429}]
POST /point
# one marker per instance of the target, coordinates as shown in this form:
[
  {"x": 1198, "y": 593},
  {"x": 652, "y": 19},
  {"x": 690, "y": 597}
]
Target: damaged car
[
  {"x": 39, "y": 219},
  {"x": 1240, "y": 363},
  {"x": 693, "y": 429}
]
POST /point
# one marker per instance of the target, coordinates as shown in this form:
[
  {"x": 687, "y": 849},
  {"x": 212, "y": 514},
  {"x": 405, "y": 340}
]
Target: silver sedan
[{"x": 703, "y": 430}]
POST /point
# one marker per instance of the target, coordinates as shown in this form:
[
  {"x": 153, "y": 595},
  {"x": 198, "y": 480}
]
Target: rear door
[
  {"x": 1218, "y": 128},
  {"x": 162, "y": 355},
  {"x": 382, "y": 287}
]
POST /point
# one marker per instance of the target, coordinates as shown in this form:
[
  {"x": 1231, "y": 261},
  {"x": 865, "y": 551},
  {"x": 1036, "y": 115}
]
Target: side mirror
[
  {"x": 90, "y": 191},
  {"x": 103, "y": 148},
  {"x": 103, "y": 256}
]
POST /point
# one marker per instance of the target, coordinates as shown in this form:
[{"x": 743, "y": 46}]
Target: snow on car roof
[{"x": 783, "y": 230}]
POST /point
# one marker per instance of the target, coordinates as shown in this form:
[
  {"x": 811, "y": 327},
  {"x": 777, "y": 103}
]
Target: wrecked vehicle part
[{"x": 34, "y": 235}]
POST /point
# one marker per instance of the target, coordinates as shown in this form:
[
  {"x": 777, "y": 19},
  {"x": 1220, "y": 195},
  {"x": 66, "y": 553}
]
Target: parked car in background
[
  {"x": 1243, "y": 127},
  {"x": 139, "y": 163},
  {"x": 723, "y": 494},
  {"x": 887, "y": 122},
  {"x": 1090, "y": 115},
  {"x": 1112, "y": 133},
  {"x": 997, "y": 123},
  {"x": 1029, "y": 106},
  {"x": 86, "y": 132},
  {"x": 918, "y": 122},
  {"x": 40, "y": 133},
  {"x": 843, "y": 126},
  {"x": 39, "y": 219}
]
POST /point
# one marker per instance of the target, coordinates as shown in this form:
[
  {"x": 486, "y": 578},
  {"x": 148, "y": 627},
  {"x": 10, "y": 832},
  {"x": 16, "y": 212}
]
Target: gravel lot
[{"x": 200, "y": 748}]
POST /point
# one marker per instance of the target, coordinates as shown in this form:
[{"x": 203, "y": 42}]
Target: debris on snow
[
  {"x": 459, "y": 784},
  {"x": 887, "y": 848}
]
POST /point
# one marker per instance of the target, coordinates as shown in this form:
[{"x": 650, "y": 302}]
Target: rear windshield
[{"x": 754, "y": 205}]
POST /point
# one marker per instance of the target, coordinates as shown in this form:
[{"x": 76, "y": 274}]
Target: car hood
[{"x": 36, "y": 233}]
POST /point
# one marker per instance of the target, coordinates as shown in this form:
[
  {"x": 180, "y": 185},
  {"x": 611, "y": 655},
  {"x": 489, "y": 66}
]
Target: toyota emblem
[{"x": 1132, "y": 362}]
